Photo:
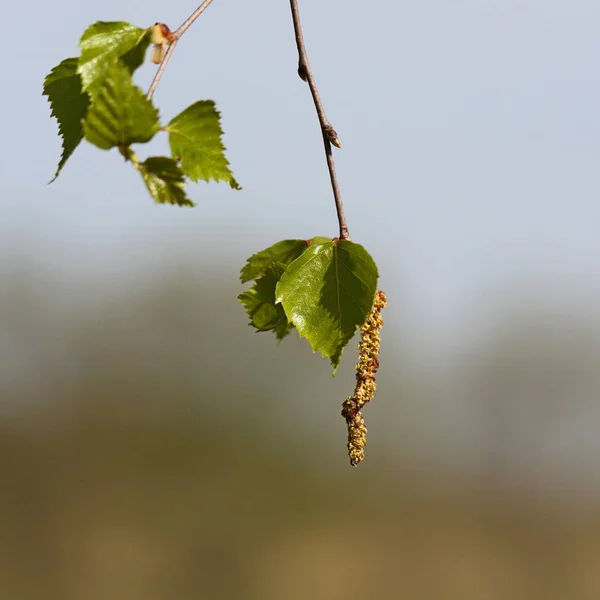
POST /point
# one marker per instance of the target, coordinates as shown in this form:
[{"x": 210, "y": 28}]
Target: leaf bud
[{"x": 160, "y": 37}]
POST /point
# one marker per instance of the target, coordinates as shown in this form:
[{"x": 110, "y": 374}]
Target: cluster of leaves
[
  {"x": 324, "y": 288},
  {"x": 94, "y": 97}
]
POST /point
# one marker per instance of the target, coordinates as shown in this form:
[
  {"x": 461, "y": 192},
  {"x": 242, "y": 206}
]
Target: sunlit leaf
[
  {"x": 327, "y": 294},
  {"x": 283, "y": 252},
  {"x": 259, "y": 302},
  {"x": 195, "y": 140},
  {"x": 104, "y": 42},
  {"x": 120, "y": 114},
  {"x": 164, "y": 180},
  {"x": 69, "y": 105}
]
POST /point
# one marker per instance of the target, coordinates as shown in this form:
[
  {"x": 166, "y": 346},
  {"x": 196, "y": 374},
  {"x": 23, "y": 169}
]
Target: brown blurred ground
[{"x": 152, "y": 448}]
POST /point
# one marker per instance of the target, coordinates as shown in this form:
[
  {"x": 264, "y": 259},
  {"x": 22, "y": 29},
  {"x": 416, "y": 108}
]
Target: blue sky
[{"x": 470, "y": 133}]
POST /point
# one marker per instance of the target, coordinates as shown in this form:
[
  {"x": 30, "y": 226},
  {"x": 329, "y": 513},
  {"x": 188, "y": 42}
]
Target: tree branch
[
  {"x": 176, "y": 37},
  {"x": 329, "y": 134}
]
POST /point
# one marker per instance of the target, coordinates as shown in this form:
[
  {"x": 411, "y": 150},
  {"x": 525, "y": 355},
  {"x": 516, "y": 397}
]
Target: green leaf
[
  {"x": 327, "y": 294},
  {"x": 69, "y": 105},
  {"x": 164, "y": 180},
  {"x": 103, "y": 43},
  {"x": 120, "y": 114},
  {"x": 319, "y": 239},
  {"x": 283, "y": 252},
  {"x": 259, "y": 302},
  {"x": 133, "y": 59},
  {"x": 195, "y": 140}
]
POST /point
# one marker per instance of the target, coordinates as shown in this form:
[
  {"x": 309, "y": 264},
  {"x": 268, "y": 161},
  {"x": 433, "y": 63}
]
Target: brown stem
[
  {"x": 176, "y": 37},
  {"x": 329, "y": 134}
]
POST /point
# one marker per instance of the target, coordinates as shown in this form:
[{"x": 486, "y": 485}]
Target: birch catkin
[{"x": 368, "y": 363}]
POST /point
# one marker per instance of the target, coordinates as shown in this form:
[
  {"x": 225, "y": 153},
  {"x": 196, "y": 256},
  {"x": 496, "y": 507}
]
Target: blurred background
[{"x": 153, "y": 447}]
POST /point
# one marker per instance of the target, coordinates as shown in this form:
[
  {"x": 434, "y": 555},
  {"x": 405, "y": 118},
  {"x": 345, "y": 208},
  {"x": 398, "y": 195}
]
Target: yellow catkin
[{"x": 368, "y": 363}]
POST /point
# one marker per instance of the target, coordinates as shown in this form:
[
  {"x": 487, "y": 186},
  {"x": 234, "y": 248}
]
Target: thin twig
[
  {"x": 161, "y": 68},
  {"x": 176, "y": 37},
  {"x": 329, "y": 134}
]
